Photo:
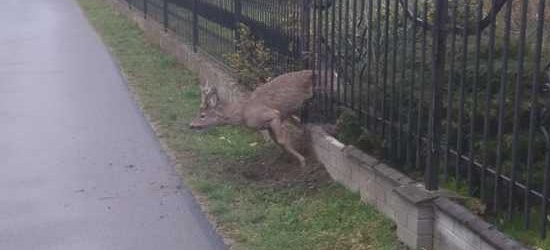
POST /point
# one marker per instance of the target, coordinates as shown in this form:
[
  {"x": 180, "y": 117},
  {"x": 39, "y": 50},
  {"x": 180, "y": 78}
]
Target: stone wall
[{"x": 424, "y": 220}]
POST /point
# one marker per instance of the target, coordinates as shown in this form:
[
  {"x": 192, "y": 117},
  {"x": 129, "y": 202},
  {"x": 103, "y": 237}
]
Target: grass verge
[{"x": 235, "y": 174}]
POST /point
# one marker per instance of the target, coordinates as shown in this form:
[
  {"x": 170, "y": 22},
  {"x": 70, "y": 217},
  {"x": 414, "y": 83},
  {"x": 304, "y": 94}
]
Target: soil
[{"x": 277, "y": 169}]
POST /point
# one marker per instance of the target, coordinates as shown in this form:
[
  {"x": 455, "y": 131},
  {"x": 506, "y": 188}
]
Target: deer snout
[{"x": 195, "y": 125}]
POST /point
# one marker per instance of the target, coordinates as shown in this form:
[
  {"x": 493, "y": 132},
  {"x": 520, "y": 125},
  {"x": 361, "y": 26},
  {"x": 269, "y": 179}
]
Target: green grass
[{"x": 255, "y": 216}]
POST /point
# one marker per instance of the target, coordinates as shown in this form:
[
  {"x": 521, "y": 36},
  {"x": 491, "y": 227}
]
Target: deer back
[{"x": 285, "y": 93}]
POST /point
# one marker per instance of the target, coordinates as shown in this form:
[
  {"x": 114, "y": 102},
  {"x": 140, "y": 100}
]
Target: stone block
[
  {"x": 448, "y": 241},
  {"x": 377, "y": 191},
  {"x": 391, "y": 175},
  {"x": 401, "y": 218},
  {"x": 414, "y": 241},
  {"x": 467, "y": 235},
  {"x": 486, "y": 246},
  {"x": 359, "y": 176},
  {"x": 443, "y": 222},
  {"x": 420, "y": 226},
  {"x": 385, "y": 209}
]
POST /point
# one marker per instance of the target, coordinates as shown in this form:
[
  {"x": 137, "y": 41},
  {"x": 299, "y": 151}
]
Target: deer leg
[{"x": 281, "y": 138}]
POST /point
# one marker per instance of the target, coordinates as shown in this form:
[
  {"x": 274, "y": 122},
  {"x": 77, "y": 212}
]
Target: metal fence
[
  {"x": 212, "y": 26},
  {"x": 458, "y": 90}
]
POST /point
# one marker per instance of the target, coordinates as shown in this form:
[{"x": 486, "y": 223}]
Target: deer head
[{"x": 211, "y": 111}]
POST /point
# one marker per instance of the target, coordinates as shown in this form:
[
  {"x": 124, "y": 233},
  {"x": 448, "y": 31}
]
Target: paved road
[{"x": 79, "y": 167}]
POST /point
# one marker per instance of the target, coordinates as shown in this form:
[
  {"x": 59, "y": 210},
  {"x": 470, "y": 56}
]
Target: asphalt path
[{"x": 79, "y": 166}]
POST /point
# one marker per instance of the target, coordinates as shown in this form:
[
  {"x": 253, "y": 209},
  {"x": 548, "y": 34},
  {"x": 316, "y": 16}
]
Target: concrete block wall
[
  {"x": 457, "y": 228},
  {"x": 424, "y": 220}
]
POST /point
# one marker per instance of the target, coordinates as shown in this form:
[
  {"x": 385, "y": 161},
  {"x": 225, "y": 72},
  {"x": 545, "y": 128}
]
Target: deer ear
[
  {"x": 212, "y": 99},
  {"x": 209, "y": 97}
]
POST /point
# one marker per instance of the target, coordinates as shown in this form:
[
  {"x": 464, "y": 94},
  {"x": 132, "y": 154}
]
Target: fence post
[
  {"x": 304, "y": 44},
  {"x": 238, "y": 13},
  {"x": 195, "y": 25},
  {"x": 439, "y": 36},
  {"x": 165, "y": 14},
  {"x": 145, "y": 9}
]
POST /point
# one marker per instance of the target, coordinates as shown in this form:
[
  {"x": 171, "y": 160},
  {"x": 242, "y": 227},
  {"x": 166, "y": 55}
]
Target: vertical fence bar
[
  {"x": 410, "y": 137},
  {"x": 385, "y": 70},
  {"x": 419, "y": 130},
  {"x": 326, "y": 67},
  {"x": 439, "y": 36},
  {"x": 315, "y": 45},
  {"x": 361, "y": 53},
  {"x": 346, "y": 50},
  {"x": 332, "y": 58},
  {"x": 305, "y": 49},
  {"x": 460, "y": 127},
  {"x": 474, "y": 99},
  {"x": 145, "y": 9},
  {"x": 369, "y": 67},
  {"x": 400, "y": 101},
  {"x": 353, "y": 54},
  {"x": 517, "y": 103},
  {"x": 319, "y": 65},
  {"x": 238, "y": 13},
  {"x": 546, "y": 185},
  {"x": 165, "y": 14},
  {"x": 391, "y": 136},
  {"x": 488, "y": 92},
  {"x": 533, "y": 110},
  {"x": 323, "y": 51},
  {"x": 501, "y": 101},
  {"x": 450, "y": 86},
  {"x": 305, "y": 44},
  {"x": 377, "y": 100},
  {"x": 195, "y": 25},
  {"x": 341, "y": 47}
]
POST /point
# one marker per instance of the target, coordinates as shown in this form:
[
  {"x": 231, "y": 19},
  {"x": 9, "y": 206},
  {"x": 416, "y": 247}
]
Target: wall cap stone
[
  {"x": 415, "y": 194},
  {"x": 391, "y": 174},
  {"x": 363, "y": 160},
  {"x": 486, "y": 231}
]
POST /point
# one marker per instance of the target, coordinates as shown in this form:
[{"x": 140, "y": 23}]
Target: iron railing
[{"x": 458, "y": 90}]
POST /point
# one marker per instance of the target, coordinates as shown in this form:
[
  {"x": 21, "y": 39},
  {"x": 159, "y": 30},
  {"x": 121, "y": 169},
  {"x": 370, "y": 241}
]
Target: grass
[{"x": 254, "y": 215}]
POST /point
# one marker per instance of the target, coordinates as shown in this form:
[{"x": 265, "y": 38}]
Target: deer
[{"x": 266, "y": 108}]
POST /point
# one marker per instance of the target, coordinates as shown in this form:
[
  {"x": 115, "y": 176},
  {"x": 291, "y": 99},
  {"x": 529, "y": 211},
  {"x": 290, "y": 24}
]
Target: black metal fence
[{"x": 458, "y": 90}]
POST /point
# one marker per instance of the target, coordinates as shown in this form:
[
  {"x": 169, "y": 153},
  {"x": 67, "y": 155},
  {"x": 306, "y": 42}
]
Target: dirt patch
[{"x": 277, "y": 169}]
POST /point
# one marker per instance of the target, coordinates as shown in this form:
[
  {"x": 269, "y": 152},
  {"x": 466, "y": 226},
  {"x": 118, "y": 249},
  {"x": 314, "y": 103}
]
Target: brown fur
[{"x": 267, "y": 107}]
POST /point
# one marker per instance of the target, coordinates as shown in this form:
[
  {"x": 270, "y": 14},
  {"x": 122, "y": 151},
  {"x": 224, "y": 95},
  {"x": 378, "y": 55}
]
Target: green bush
[{"x": 252, "y": 60}]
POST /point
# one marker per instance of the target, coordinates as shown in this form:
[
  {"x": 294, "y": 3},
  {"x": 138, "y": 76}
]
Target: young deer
[{"x": 267, "y": 107}]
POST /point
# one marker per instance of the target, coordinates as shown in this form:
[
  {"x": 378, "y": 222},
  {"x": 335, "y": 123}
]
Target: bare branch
[{"x": 484, "y": 23}]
